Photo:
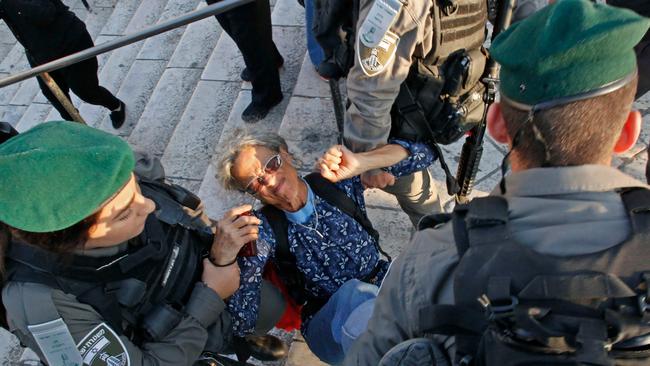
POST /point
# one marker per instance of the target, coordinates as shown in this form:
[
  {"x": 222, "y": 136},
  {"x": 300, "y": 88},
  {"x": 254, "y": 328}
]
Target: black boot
[
  {"x": 118, "y": 116},
  {"x": 258, "y": 111},
  {"x": 264, "y": 348},
  {"x": 246, "y": 74}
]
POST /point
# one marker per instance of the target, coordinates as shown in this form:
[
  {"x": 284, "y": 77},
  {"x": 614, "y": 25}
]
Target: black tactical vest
[
  {"x": 442, "y": 97},
  {"x": 515, "y": 306},
  {"x": 140, "y": 291}
]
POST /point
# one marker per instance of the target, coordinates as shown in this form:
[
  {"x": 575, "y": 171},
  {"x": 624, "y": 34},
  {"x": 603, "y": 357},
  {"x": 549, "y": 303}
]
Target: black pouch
[
  {"x": 417, "y": 105},
  {"x": 462, "y": 71},
  {"x": 459, "y": 115}
]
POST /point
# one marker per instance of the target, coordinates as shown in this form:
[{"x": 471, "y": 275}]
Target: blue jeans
[
  {"x": 344, "y": 317},
  {"x": 316, "y": 54}
]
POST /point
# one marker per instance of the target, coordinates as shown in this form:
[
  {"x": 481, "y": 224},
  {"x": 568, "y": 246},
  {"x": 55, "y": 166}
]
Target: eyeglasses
[{"x": 270, "y": 167}]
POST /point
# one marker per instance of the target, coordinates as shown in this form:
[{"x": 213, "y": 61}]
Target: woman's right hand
[
  {"x": 339, "y": 163},
  {"x": 232, "y": 232},
  {"x": 223, "y": 280}
]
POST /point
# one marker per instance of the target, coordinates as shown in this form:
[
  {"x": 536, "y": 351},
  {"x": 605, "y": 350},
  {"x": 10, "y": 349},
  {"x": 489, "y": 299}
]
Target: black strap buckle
[{"x": 498, "y": 310}]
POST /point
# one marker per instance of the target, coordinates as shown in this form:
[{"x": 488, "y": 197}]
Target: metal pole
[
  {"x": 338, "y": 106},
  {"x": 182, "y": 20},
  {"x": 63, "y": 99}
]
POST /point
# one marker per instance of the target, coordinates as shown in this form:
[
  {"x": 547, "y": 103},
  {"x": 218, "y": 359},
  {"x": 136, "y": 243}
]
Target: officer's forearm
[{"x": 382, "y": 157}]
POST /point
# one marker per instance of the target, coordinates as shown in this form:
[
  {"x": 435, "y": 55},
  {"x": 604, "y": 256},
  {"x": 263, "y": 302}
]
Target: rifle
[
  {"x": 339, "y": 111},
  {"x": 472, "y": 151}
]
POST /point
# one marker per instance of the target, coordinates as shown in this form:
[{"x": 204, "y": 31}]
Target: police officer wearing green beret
[
  {"x": 101, "y": 267},
  {"x": 568, "y": 80}
]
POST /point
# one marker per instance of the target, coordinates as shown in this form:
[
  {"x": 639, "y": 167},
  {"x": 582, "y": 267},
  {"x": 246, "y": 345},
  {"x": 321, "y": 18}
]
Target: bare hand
[
  {"x": 377, "y": 179},
  {"x": 339, "y": 163},
  {"x": 232, "y": 232},
  {"x": 223, "y": 280}
]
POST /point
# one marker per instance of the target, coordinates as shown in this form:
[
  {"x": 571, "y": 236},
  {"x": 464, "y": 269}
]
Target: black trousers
[
  {"x": 82, "y": 79},
  {"x": 250, "y": 27}
]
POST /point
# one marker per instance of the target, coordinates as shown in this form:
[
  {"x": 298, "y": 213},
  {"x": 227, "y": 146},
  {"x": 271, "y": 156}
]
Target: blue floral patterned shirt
[{"x": 330, "y": 247}]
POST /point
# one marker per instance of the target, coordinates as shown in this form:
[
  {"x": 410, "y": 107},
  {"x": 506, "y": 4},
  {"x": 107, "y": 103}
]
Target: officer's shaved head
[{"x": 582, "y": 132}]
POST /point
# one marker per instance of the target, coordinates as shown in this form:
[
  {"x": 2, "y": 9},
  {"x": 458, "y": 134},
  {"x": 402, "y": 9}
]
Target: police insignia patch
[
  {"x": 102, "y": 347},
  {"x": 373, "y": 60}
]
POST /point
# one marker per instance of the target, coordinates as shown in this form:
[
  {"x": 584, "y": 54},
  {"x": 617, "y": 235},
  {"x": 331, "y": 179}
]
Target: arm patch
[
  {"x": 374, "y": 60},
  {"x": 102, "y": 347}
]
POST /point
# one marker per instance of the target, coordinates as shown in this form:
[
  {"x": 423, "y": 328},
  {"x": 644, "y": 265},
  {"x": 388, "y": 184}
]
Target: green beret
[
  {"x": 59, "y": 173},
  {"x": 567, "y": 49}
]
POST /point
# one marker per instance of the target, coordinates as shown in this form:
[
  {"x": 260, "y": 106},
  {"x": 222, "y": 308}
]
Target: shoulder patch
[
  {"x": 102, "y": 347},
  {"x": 56, "y": 343},
  {"x": 374, "y": 60},
  {"x": 378, "y": 21}
]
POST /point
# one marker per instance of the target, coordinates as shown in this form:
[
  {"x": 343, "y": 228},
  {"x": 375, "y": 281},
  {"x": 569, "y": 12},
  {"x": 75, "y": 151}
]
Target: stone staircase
[{"x": 184, "y": 99}]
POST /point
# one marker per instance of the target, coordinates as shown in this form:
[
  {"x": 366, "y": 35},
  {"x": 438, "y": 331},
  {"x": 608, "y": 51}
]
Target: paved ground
[{"x": 184, "y": 99}]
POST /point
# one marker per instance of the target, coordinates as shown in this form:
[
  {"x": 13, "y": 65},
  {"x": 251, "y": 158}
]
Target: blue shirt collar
[{"x": 304, "y": 214}]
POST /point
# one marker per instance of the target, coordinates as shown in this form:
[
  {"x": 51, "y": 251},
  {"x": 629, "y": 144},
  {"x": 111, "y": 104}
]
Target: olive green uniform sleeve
[
  {"x": 367, "y": 120},
  {"x": 420, "y": 276},
  {"x": 182, "y": 346}
]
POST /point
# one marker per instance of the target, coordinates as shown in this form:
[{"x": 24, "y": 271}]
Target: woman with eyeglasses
[{"x": 336, "y": 256}]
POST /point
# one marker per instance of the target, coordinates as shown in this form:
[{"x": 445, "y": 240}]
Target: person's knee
[
  {"x": 358, "y": 289},
  {"x": 356, "y": 323}
]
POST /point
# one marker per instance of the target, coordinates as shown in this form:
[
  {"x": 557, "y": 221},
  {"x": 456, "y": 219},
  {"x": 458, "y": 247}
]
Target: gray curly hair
[{"x": 241, "y": 141}]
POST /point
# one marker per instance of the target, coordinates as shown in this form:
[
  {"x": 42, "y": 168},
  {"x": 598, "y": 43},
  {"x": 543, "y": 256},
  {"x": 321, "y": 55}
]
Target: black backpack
[
  {"x": 285, "y": 261},
  {"x": 515, "y": 306}
]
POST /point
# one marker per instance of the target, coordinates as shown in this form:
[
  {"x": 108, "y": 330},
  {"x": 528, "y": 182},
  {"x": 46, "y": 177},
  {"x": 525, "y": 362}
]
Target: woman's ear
[
  {"x": 496, "y": 125},
  {"x": 286, "y": 156},
  {"x": 629, "y": 133}
]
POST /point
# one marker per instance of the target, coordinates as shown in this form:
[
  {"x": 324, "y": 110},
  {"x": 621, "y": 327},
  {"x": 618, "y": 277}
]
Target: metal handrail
[{"x": 180, "y": 21}]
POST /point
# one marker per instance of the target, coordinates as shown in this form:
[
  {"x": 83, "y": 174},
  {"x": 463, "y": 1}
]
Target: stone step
[
  {"x": 225, "y": 62},
  {"x": 26, "y": 92},
  {"x": 197, "y": 43},
  {"x": 164, "y": 109},
  {"x": 96, "y": 19},
  {"x": 139, "y": 84},
  {"x": 12, "y": 113},
  {"x": 120, "y": 17},
  {"x": 5, "y": 48},
  {"x": 310, "y": 84},
  {"x": 6, "y": 37},
  {"x": 309, "y": 127},
  {"x": 288, "y": 13},
  {"x": 15, "y": 60},
  {"x": 192, "y": 145},
  {"x": 162, "y": 46},
  {"x": 34, "y": 114}
]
